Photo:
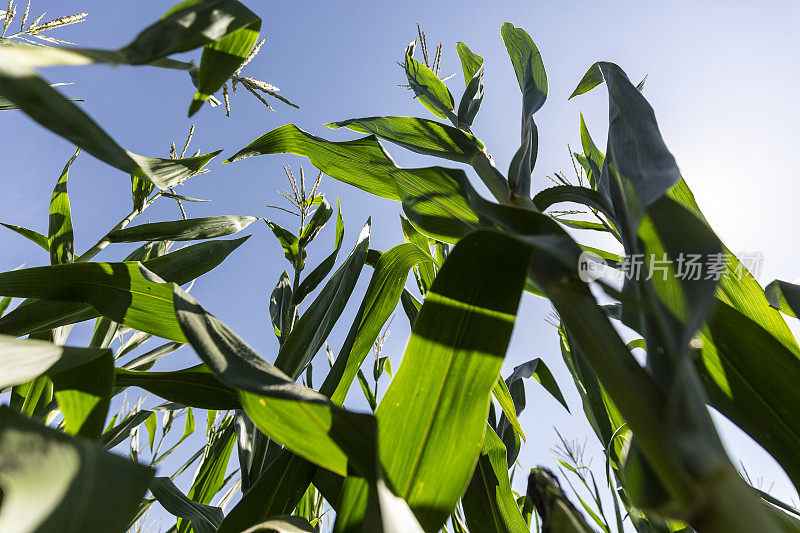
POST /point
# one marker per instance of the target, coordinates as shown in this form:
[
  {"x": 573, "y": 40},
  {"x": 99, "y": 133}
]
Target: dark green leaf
[
  {"x": 418, "y": 135},
  {"x": 79, "y": 476},
  {"x": 183, "y": 230},
  {"x": 430, "y": 90},
  {"x": 195, "y": 387},
  {"x": 319, "y": 273},
  {"x": 785, "y": 297},
  {"x": 279, "y": 306},
  {"x": 204, "y": 518}
]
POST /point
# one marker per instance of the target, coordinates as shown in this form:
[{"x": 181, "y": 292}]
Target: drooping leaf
[
  {"x": 785, "y": 297},
  {"x": 126, "y": 293},
  {"x": 50, "y": 479},
  {"x": 196, "y": 386},
  {"x": 204, "y": 518},
  {"x": 22, "y": 360},
  {"x": 179, "y": 267},
  {"x": 418, "y": 135},
  {"x": 183, "y": 230},
  {"x": 277, "y": 405},
  {"x": 60, "y": 238}
]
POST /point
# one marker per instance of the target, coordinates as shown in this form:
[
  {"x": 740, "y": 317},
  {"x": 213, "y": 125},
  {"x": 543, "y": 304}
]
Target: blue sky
[{"x": 721, "y": 77}]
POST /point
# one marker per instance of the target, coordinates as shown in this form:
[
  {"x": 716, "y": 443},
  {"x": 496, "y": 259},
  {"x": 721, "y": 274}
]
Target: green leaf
[
  {"x": 183, "y": 230},
  {"x": 283, "y": 524},
  {"x": 426, "y": 270},
  {"x": 532, "y": 79},
  {"x": 557, "y": 512},
  {"x": 294, "y": 253},
  {"x": 503, "y": 397},
  {"x": 196, "y": 386},
  {"x": 126, "y": 293},
  {"x": 784, "y": 297},
  {"x": 430, "y": 90},
  {"x": 318, "y": 220},
  {"x": 379, "y": 302},
  {"x": 140, "y": 190},
  {"x": 222, "y": 58},
  {"x": 488, "y": 503},
  {"x": 279, "y": 305},
  {"x": 441, "y": 391},
  {"x": 210, "y": 476},
  {"x": 471, "y": 101},
  {"x": 49, "y": 108},
  {"x": 418, "y": 135},
  {"x": 23, "y": 360},
  {"x": 276, "y": 492},
  {"x": 50, "y": 479},
  {"x": 204, "y": 518},
  {"x": 30, "y": 234},
  {"x": 115, "y": 435},
  {"x": 360, "y": 162},
  {"x": 84, "y": 394},
  {"x": 537, "y": 370},
  {"x": 470, "y": 62},
  {"x": 572, "y": 193},
  {"x": 592, "y": 153},
  {"x": 179, "y": 267},
  {"x": 311, "y": 330},
  {"x": 277, "y": 405},
  {"x": 60, "y": 237},
  {"x": 319, "y": 273}
]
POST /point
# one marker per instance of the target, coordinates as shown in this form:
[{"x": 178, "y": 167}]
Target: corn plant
[
  {"x": 434, "y": 453},
  {"x": 709, "y": 339}
]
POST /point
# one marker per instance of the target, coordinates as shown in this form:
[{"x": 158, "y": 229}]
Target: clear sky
[{"x": 721, "y": 77}]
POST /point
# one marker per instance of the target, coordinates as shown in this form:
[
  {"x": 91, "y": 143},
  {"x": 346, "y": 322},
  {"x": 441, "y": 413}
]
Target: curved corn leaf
[
  {"x": 418, "y": 135},
  {"x": 470, "y": 104},
  {"x": 80, "y": 476},
  {"x": 127, "y": 293},
  {"x": 22, "y": 360},
  {"x": 277, "y": 405},
  {"x": 488, "y": 502},
  {"x": 785, "y": 297},
  {"x": 318, "y": 220},
  {"x": 572, "y": 193},
  {"x": 30, "y": 234},
  {"x": 84, "y": 395},
  {"x": 195, "y": 387},
  {"x": 470, "y": 61},
  {"x": 60, "y": 238},
  {"x": 426, "y": 271},
  {"x": 430, "y": 90},
  {"x": 180, "y": 266},
  {"x": 183, "y": 230},
  {"x": 532, "y": 79},
  {"x": 204, "y": 518},
  {"x": 294, "y": 253},
  {"x": 279, "y": 305}
]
